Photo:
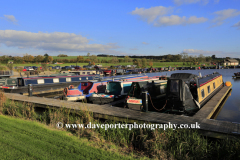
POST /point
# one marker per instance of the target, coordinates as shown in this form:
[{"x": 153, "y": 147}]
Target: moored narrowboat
[
  {"x": 46, "y": 82},
  {"x": 85, "y": 89},
  {"x": 156, "y": 91},
  {"x": 187, "y": 93},
  {"x": 108, "y": 72},
  {"x": 115, "y": 90},
  {"x": 237, "y": 74}
]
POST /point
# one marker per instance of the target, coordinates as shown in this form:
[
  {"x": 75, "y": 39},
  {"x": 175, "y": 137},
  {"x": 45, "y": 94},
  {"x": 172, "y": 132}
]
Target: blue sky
[{"x": 120, "y": 27}]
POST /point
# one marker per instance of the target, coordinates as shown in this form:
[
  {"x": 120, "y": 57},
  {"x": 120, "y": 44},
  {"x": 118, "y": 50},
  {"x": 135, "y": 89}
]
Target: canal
[{"x": 231, "y": 108}]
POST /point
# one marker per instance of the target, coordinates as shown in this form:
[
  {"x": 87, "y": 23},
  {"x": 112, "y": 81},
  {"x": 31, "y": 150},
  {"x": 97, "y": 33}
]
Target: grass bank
[
  {"x": 21, "y": 139},
  {"x": 157, "y": 144}
]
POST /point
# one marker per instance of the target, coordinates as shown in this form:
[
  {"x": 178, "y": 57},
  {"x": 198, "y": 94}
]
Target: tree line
[{"x": 142, "y": 61}]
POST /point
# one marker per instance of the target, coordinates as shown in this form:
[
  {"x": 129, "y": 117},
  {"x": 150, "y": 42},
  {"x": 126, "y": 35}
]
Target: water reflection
[{"x": 231, "y": 108}]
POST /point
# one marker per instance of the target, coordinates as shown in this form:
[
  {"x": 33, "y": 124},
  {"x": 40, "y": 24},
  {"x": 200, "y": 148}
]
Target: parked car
[
  {"x": 58, "y": 67},
  {"x": 77, "y": 67},
  {"x": 66, "y": 67},
  {"x": 88, "y": 67},
  {"x": 35, "y": 67},
  {"x": 28, "y": 68}
]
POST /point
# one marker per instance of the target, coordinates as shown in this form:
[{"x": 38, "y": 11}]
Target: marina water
[{"x": 231, "y": 109}]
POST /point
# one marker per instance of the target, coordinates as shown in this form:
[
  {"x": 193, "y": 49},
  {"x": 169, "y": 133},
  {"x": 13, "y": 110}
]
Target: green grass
[
  {"x": 159, "y": 144},
  {"x": 85, "y": 57},
  {"x": 21, "y": 139}
]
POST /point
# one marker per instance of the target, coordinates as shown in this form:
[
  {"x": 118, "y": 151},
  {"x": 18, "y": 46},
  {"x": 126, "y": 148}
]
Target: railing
[{"x": 6, "y": 73}]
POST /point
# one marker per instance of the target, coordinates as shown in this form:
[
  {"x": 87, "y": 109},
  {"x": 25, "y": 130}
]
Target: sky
[{"x": 120, "y": 27}]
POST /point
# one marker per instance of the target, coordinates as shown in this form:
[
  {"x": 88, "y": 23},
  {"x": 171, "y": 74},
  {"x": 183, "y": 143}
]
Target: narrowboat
[
  {"x": 187, "y": 93},
  {"x": 5, "y": 74},
  {"x": 137, "y": 71},
  {"x": 85, "y": 72},
  {"x": 156, "y": 90},
  {"x": 107, "y": 72},
  {"x": 130, "y": 71},
  {"x": 46, "y": 82},
  {"x": 115, "y": 90},
  {"x": 120, "y": 71},
  {"x": 237, "y": 74},
  {"x": 85, "y": 89}
]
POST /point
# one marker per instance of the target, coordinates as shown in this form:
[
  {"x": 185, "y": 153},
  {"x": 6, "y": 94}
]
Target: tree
[
  {"x": 93, "y": 58},
  {"x": 17, "y": 59},
  {"x": 87, "y": 60},
  {"x": 39, "y": 58},
  {"x": 134, "y": 61},
  {"x": 139, "y": 63},
  {"x": 126, "y": 58},
  {"x": 184, "y": 56},
  {"x": 54, "y": 61},
  {"x": 46, "y": 55},
  {"x": 114, "y": 60},
  {"x": 48, "y": 59},
  {"x": 144, "y": 62},
  {"x": 150, "y": 63},
  {"x": 80, "y": 59},
  {"x": 201, "y": 58},
  {"x": 28, "y": 58},
  {"x": 169, "y": 58},
  {"x": 88, "y": 54}
]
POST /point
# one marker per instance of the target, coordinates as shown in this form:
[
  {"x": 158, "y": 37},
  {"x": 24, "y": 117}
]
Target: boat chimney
[{"x": 200, "y": 75}]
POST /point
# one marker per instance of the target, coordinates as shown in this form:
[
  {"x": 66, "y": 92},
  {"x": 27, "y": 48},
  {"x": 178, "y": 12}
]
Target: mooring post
[
  {"x": 145, "y": 101},
  {"x": 30, "y": 90}
]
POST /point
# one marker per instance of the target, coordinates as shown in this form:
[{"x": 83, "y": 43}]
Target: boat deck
[{"x": 209, "y": 127}]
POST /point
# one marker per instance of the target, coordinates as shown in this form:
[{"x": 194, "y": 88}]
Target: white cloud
[
  {"x": 10, "y": 18},
  {"x": 237, "y": 25},
  {"x": 57, "y": 41},
  {"x": 222, "y": 15},
  {"x": 181, "y": 2},
  {"x": 144, "y": 43},
  {"x": 156, "y": 16},
  {"x": 210, "y": 53},
  {"x": 176, "y": 20},
  {"x": 151, "y": 13}
]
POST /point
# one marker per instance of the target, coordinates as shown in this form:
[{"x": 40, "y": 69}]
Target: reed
[{"x": 157, "y": 144}]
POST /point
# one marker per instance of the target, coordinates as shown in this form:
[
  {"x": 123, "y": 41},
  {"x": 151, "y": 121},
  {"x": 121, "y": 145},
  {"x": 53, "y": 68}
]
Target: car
[
  {"x": 28, "y": 68},
  {"x": 77, "y": 67},
  {"x": 58, "y": 67},
  {"x": 88, "y": 67},
  {"x": 35, "y": 67},
  {"x": 66, "y": 67}
]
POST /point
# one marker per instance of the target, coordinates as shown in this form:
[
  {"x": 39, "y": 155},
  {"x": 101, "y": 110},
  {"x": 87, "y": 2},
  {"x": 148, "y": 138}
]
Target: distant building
[
  {"x": 10, "y": 62},
  {"x": 230, "y": 62}
]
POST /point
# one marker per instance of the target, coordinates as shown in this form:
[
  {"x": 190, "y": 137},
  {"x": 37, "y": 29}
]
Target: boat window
[
  {"x": 40, "y": 81},
  {"x": 214, "y": 85},
  {"x": 88, "y": 72},
  {"x": 55, "y": 80},
  {"x": 203, "y": 95},
  {"x": 68, "y": 79},
  {"x": 174, "y": 86},
  {"x": 209, "y": 90},
  {"x": 83, "y": 72}
]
